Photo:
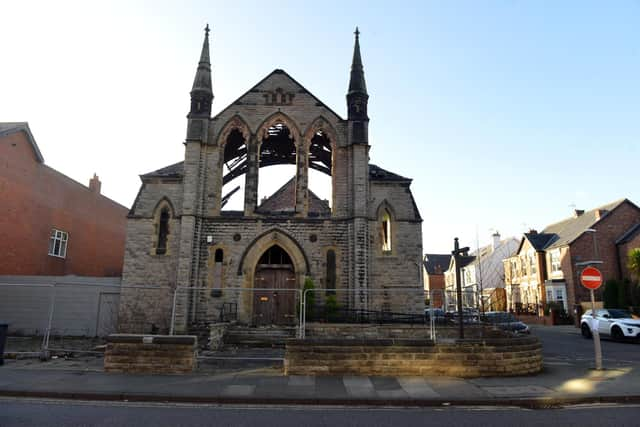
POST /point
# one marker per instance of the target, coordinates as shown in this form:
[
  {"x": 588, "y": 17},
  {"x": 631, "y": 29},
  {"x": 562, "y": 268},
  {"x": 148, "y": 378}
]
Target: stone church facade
[{"x": 360, "y": 248}]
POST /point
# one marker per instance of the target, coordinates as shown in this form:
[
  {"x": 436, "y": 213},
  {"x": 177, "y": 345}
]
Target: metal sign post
[
  {"x": 457, "y": 251},
  {"x": 591, "y": 278}
]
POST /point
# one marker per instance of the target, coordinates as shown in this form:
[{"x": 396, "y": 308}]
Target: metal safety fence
[
  {"x": 403, "y": 313},
  {"x": 195, "y": 309},
  {"x": 77, "y": 317},
  {"x": 72, "y": 317}
]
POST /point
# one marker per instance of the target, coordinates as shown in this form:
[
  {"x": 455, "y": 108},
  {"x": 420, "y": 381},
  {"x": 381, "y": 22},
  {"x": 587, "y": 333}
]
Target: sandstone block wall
[
  {"x": 236, "y": 236},
  {"x": 391, "y": 357},
  {"x": 360, "y": 331},
  {"x": 150, "y": 354},
  {"x": 402, "y": 267}
]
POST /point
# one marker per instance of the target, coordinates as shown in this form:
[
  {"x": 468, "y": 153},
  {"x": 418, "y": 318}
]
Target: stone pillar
[
  {"x": 214, "y": 169},
  {"x": 302, "y": 178},
  {"x": 251, "y": 177},
  {"x": 360, "y": 236},
  {"x": 185, "y": 261},
  {"x": 191, "y": 177},
  {"x": 191, "y": 200},
  {"x": 340, "y": 181}
]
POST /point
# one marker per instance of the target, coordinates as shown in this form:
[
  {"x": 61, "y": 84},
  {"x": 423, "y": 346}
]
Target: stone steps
[{"x": 261, "y": 337}]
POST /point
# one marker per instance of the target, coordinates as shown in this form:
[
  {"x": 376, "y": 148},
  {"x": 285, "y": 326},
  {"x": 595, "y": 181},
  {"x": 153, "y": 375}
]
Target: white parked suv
[{"x": 612, "y": 322}]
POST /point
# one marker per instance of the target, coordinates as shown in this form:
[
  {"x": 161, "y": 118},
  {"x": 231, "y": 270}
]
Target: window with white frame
[
  {"x": 555, "y": 261},
  {"x": 467, "y": 277},
  {"x": 58, "y": 243},
  {"x": 549, "y": 295},
  {"x": 532, "y": 262}
]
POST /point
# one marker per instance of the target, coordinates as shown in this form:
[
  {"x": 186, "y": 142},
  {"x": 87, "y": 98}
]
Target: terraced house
[
  {"x": 547, "y": 264},
  {"x": 359, "y": 245}
]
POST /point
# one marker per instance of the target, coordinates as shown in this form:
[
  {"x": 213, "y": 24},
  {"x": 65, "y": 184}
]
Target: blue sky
[{"x": 505, "y": 113}]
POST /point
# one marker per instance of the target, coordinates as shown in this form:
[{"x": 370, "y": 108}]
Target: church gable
[
  {"x": 283, "y": 201},
  {"x": 278, "y": 92}
]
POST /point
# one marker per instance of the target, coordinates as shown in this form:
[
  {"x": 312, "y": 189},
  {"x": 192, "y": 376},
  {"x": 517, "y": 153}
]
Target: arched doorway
[{"x": 273, "y": 303}]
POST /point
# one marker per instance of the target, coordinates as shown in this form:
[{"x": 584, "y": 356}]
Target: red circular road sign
[{"x": 591, "y": 278}]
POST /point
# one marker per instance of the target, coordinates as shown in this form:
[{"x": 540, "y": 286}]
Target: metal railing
[{"x": 68, "y": 317}]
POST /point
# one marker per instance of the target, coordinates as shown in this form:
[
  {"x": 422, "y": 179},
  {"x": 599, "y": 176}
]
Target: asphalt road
[
  {"x": 565, "y": 345},
  {"x": 60, "y": 413}
]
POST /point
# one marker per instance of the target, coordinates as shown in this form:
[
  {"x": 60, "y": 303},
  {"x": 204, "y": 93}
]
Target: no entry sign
[{"x": 591, "y": 278}]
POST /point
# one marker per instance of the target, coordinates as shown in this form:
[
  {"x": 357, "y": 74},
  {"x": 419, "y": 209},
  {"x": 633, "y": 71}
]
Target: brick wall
[
  {"x": 35, "y": 199},
  {"x": 623, "y": 253},
  {"x": 435, "y": 284},
  {"x": 608, "y": 230}
]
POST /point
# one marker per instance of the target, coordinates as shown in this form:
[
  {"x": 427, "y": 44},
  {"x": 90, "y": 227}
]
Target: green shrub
[{"x": 331, "y": 307}]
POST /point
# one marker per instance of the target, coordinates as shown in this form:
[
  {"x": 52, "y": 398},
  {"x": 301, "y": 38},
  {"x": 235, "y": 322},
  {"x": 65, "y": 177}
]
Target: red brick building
[
  {"x": 49, "y": 223},
  {"x": 547, "y": 265},
  {"x": 434, "y": 267}
]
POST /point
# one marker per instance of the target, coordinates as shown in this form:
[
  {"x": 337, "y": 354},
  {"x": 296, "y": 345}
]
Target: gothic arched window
[
  {"x": 162, "y": 228},
  {"x": 385, "y": 231},
  {"x": 163, "y": 232}
]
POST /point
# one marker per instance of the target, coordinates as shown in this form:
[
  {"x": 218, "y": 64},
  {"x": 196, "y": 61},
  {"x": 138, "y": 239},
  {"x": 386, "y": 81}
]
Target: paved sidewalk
[
  {"x": 555, "y": 385},
  {"x": 564, "y": 380}
]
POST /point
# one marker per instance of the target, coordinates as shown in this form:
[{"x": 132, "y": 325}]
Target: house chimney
[
  {"x": 533, "y": 231},
  {"x": 496, "y": 240},
  {"x": 600, "y": 213},
  {"x": 95, "y": 184},
  {"x": 577, "y": 212}
]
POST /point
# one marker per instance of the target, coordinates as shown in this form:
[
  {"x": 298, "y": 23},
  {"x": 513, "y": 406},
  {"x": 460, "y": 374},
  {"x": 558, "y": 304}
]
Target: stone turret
[
  {"x": 357, "y": 98},
  {"x": 201, "y": 92}
]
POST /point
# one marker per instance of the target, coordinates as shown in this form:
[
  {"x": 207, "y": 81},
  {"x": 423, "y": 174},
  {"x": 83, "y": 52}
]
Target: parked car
[
  {"x": 612, "y": 322},
  {"x": 505, "y": 321},
  {"x": 439, "y": 315},
  {"x": 469, "y": 315}
]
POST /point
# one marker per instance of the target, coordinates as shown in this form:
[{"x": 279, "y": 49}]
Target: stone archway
[
  {"x": 274, "y": 303},
  {"x": 257, "y": 274}
]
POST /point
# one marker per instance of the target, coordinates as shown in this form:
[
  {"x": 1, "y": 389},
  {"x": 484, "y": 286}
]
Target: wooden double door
[{"x": 272, "y": 303}]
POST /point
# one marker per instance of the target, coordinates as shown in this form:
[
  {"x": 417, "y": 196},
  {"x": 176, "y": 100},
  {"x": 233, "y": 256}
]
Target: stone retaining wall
[
  {"x": 150, "y": 354},
  {"x": 397, "y": 357},
  {"x": 359, "y": 331},
  {"x": 398, "y": 331}
]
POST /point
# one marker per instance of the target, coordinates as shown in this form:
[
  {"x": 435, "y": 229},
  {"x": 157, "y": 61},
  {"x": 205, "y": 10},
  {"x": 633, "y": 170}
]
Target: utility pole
[{"x": 457, "y": 251}]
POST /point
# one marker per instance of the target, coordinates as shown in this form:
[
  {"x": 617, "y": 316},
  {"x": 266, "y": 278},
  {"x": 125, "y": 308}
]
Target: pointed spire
[
  {"x": 202, "y": 92},
  {"x": 357, "y": 83},
  {"x": 202, "y": 81}
]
